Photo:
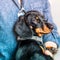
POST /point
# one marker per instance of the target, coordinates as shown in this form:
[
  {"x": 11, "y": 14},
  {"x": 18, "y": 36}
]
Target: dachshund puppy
[{"x": 32, "y": 23}]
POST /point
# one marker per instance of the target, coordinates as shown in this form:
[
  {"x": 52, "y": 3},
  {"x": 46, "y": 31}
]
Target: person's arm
[
  {"x": 4, "y": 54},
  {"x": 53, "y": 36}
]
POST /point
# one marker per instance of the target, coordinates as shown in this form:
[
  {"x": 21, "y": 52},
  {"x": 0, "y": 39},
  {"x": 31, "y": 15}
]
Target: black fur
[{"x": 30, "y": 50}]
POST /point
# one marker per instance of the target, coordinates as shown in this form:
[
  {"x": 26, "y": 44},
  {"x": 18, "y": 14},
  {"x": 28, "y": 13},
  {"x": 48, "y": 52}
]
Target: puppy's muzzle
[{"x": 38, "y": 26}]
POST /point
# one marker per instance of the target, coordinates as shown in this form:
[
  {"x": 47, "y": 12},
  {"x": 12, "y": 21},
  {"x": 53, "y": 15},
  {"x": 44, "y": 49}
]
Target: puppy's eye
[{"x": 37, "y": 19}]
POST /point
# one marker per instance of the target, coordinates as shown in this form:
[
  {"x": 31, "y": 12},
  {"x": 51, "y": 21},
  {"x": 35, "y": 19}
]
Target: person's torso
[{"x": 34, "y": 5}]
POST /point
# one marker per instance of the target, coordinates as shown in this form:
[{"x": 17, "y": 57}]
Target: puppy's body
[{"x": 30, "y": 50}]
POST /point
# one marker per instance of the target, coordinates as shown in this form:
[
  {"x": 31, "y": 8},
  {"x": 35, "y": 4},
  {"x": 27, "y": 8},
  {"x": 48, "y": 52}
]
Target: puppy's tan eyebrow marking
[{"x": 37, "y": 17}]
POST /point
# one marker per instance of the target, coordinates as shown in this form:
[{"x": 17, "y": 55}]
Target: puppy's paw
[
  {"x": 47, "y": 52},
  {"x": 52, "y": 47}
]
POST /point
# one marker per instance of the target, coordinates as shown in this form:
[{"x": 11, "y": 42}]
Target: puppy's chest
[{"x": 28, "y": 43}]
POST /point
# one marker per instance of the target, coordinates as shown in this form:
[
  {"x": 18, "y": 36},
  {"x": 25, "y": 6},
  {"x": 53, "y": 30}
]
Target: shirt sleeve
[
  {"x": 4, "y": 54},
  {"x": 53, "y": 36}
]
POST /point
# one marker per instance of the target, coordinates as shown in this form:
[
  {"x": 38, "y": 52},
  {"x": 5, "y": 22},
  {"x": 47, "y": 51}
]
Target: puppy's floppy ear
[{"x": 22, "y": 29}]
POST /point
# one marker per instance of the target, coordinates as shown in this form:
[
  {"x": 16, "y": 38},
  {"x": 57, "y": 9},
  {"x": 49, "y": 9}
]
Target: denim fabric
[{"x": 8, "y": 16}]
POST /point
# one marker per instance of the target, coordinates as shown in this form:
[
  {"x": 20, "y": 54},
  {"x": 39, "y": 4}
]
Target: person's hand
[
  {"x": 47, "y": 52},
  {"x": 51, "y": 46}
]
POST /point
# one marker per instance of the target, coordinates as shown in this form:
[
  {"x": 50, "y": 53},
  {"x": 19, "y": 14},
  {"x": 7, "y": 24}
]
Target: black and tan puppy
[
  {"x": 32, "y": 21},
  {"x": 29, "y": 25}
]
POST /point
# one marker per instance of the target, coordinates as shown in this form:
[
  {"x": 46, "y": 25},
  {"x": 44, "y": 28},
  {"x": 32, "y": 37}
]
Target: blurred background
[{"x": 55, "y": 11}]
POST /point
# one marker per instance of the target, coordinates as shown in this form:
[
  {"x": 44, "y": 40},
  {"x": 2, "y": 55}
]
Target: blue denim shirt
[{"x": 8, "y": 16}]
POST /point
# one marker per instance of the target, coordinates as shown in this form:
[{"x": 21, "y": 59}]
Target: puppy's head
[
  {"x": 32, "y": 20},
  {"x": 36, "y": 21}
]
